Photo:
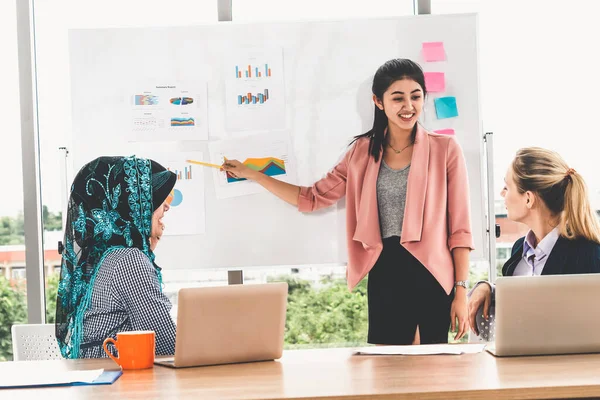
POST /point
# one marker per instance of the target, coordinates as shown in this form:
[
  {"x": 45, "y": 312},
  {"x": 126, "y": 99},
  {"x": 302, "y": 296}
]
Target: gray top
[{"x": 391, "y": 198}]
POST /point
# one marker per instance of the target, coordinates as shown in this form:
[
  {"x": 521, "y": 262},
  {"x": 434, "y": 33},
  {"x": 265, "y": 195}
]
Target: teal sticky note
[{"x": 445, "y": 107}]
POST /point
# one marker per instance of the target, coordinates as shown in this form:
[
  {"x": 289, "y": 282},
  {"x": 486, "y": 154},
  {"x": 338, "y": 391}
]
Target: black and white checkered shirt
[{"x": 126, "y": 297}]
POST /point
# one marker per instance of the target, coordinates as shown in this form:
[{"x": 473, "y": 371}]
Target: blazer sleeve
[
  {"x": 591, "y": 261},
  {"x": 459, "y": 214},
  {"x": 596, "y": 260},
  {"x": 329, "y": 189}
]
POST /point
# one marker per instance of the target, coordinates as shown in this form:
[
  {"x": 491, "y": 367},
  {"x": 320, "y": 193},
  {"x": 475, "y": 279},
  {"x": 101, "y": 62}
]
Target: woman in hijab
[{"x": 109, "y": 282}]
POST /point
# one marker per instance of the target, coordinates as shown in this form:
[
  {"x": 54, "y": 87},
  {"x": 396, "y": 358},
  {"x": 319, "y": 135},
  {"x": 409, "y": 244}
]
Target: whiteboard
[{"x": 328, "y": 68}]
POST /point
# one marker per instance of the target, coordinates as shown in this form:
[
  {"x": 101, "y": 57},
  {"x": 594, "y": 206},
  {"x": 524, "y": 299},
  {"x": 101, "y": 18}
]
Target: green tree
[
  {"x": 327, "y": 315},
  {"x": 331, "y": 315},
  {"x": 51, "y": 290},
  {"x": 13, "y": 310},
  {"x": 52, "y": 221},
  {"x": 19, "y": 225},
  {"x": 11, "y": 230}
]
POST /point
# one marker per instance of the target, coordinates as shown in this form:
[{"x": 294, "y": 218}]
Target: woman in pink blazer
[{"x": 407, "y": 214}]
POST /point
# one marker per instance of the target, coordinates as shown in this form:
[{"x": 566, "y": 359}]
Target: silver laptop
[
  {"x": 229, "y": 324},
  {"x": 549, "y": 314}
]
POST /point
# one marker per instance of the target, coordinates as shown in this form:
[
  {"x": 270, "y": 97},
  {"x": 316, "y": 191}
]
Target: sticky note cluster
[{"x": 435, "y": 82}]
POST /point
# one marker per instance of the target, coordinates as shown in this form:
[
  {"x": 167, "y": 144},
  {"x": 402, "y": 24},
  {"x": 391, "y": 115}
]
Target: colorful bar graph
[
  {"x": 186, "y": 174},
  {"x": 249, "y": 74},
  {"x": 249, "y": 98}
]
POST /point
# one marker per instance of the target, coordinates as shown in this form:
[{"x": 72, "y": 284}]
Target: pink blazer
[{"x": 436, "y": 216}]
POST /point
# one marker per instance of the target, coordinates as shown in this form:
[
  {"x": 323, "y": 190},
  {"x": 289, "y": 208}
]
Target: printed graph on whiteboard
[
  {"x": 145, "y": 100},
  {"x": 270, "y": 166},
  {"x": 145, "y": 123},
  {"x": 253, "y": 98},
  {"x": 253, "y": 70},
  {"x": 183, "y": 121}
]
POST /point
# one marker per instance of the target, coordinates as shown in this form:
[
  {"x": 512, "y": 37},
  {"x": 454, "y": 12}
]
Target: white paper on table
[
  {"x": 51, "y": 378},
  {"x": 419, "y": 350}
]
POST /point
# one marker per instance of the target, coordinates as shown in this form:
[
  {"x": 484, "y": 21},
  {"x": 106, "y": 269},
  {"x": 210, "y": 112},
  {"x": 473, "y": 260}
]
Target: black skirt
[{"x": 402, "y": 294}]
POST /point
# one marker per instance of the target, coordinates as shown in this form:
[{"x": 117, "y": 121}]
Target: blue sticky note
[{"x": 445, "y": 107}]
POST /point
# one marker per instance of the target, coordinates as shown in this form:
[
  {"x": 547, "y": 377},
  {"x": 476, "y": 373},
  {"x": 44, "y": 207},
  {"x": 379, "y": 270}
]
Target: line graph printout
[{"x": 268, "y": 153}]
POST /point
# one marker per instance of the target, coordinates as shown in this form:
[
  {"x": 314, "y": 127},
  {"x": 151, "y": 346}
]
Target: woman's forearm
[
  {"x": 460, "y": 256},
  {"x": 285, "y": 191}
]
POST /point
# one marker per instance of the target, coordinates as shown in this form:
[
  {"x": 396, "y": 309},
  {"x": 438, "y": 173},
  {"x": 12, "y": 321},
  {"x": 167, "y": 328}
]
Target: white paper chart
[
  {"x": 187, "y": 214},
  {"x": 169, "y": 112},
  {"x": 255, "y": 90},
  {"x": 268, "y": 153}
]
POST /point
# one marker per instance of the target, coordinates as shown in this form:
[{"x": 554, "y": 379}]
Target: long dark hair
[{"x": 390, "y": 72}]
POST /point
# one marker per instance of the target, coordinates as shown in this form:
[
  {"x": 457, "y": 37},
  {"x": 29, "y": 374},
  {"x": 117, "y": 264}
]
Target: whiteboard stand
[
  {"x": 225, "y": 12},
  {"x": 492, "y": 229},
  {"x": 64, "y": 183}
]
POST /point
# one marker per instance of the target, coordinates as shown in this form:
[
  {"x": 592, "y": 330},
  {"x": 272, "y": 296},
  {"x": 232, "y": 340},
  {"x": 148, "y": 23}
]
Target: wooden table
[{"x": 336, "y": 374}]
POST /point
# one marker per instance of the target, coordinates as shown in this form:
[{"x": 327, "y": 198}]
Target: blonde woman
[{"x": 544, "y": 193}]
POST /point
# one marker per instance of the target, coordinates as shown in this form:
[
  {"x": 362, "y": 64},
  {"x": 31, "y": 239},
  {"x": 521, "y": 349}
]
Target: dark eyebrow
[{"x": 399, "y": 92}]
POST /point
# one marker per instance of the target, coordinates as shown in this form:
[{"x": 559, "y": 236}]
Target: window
[
  {"x": 502, "y": 253},
  {"x": 18, "y": 273},
  {"x": 501, "y": 67},
  {"x": 52, "y": 23},
  {"x": 530, "y": 73},
  {"x": 12, "y": 241},
  {"x": 309, "y": 285}
]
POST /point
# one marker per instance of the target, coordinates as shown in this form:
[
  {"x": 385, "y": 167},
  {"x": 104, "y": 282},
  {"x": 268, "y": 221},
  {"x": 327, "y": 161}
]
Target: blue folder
[{"x": 106, "y": 378}]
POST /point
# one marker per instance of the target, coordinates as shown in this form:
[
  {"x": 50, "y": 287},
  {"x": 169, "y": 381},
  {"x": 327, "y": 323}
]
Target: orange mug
[{"x": 135, "y": 349}]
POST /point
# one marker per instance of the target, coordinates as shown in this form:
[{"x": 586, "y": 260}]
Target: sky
[{"x": 538, "y": 79}]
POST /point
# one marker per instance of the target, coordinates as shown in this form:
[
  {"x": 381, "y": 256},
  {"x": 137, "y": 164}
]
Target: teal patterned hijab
[{"x": 111, "y": 205}]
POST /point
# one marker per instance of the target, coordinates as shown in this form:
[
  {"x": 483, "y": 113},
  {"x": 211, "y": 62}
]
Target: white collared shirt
[{"x": 534, "y": 259}]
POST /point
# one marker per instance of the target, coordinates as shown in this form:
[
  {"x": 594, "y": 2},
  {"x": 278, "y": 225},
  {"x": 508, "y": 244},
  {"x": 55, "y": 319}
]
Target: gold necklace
[{"x": 399, "y": 151}]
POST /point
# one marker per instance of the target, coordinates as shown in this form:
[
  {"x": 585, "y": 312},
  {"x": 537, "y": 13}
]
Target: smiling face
[
  {"x": 157, "y": 225},
  {"x": 402, "y": 103}
]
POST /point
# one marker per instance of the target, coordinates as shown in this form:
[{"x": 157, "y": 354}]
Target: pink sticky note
[
  {"x": 435, "y": 82},
  {"x": 434, "y": 51},
  {"x": 445, "y": 131}
]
